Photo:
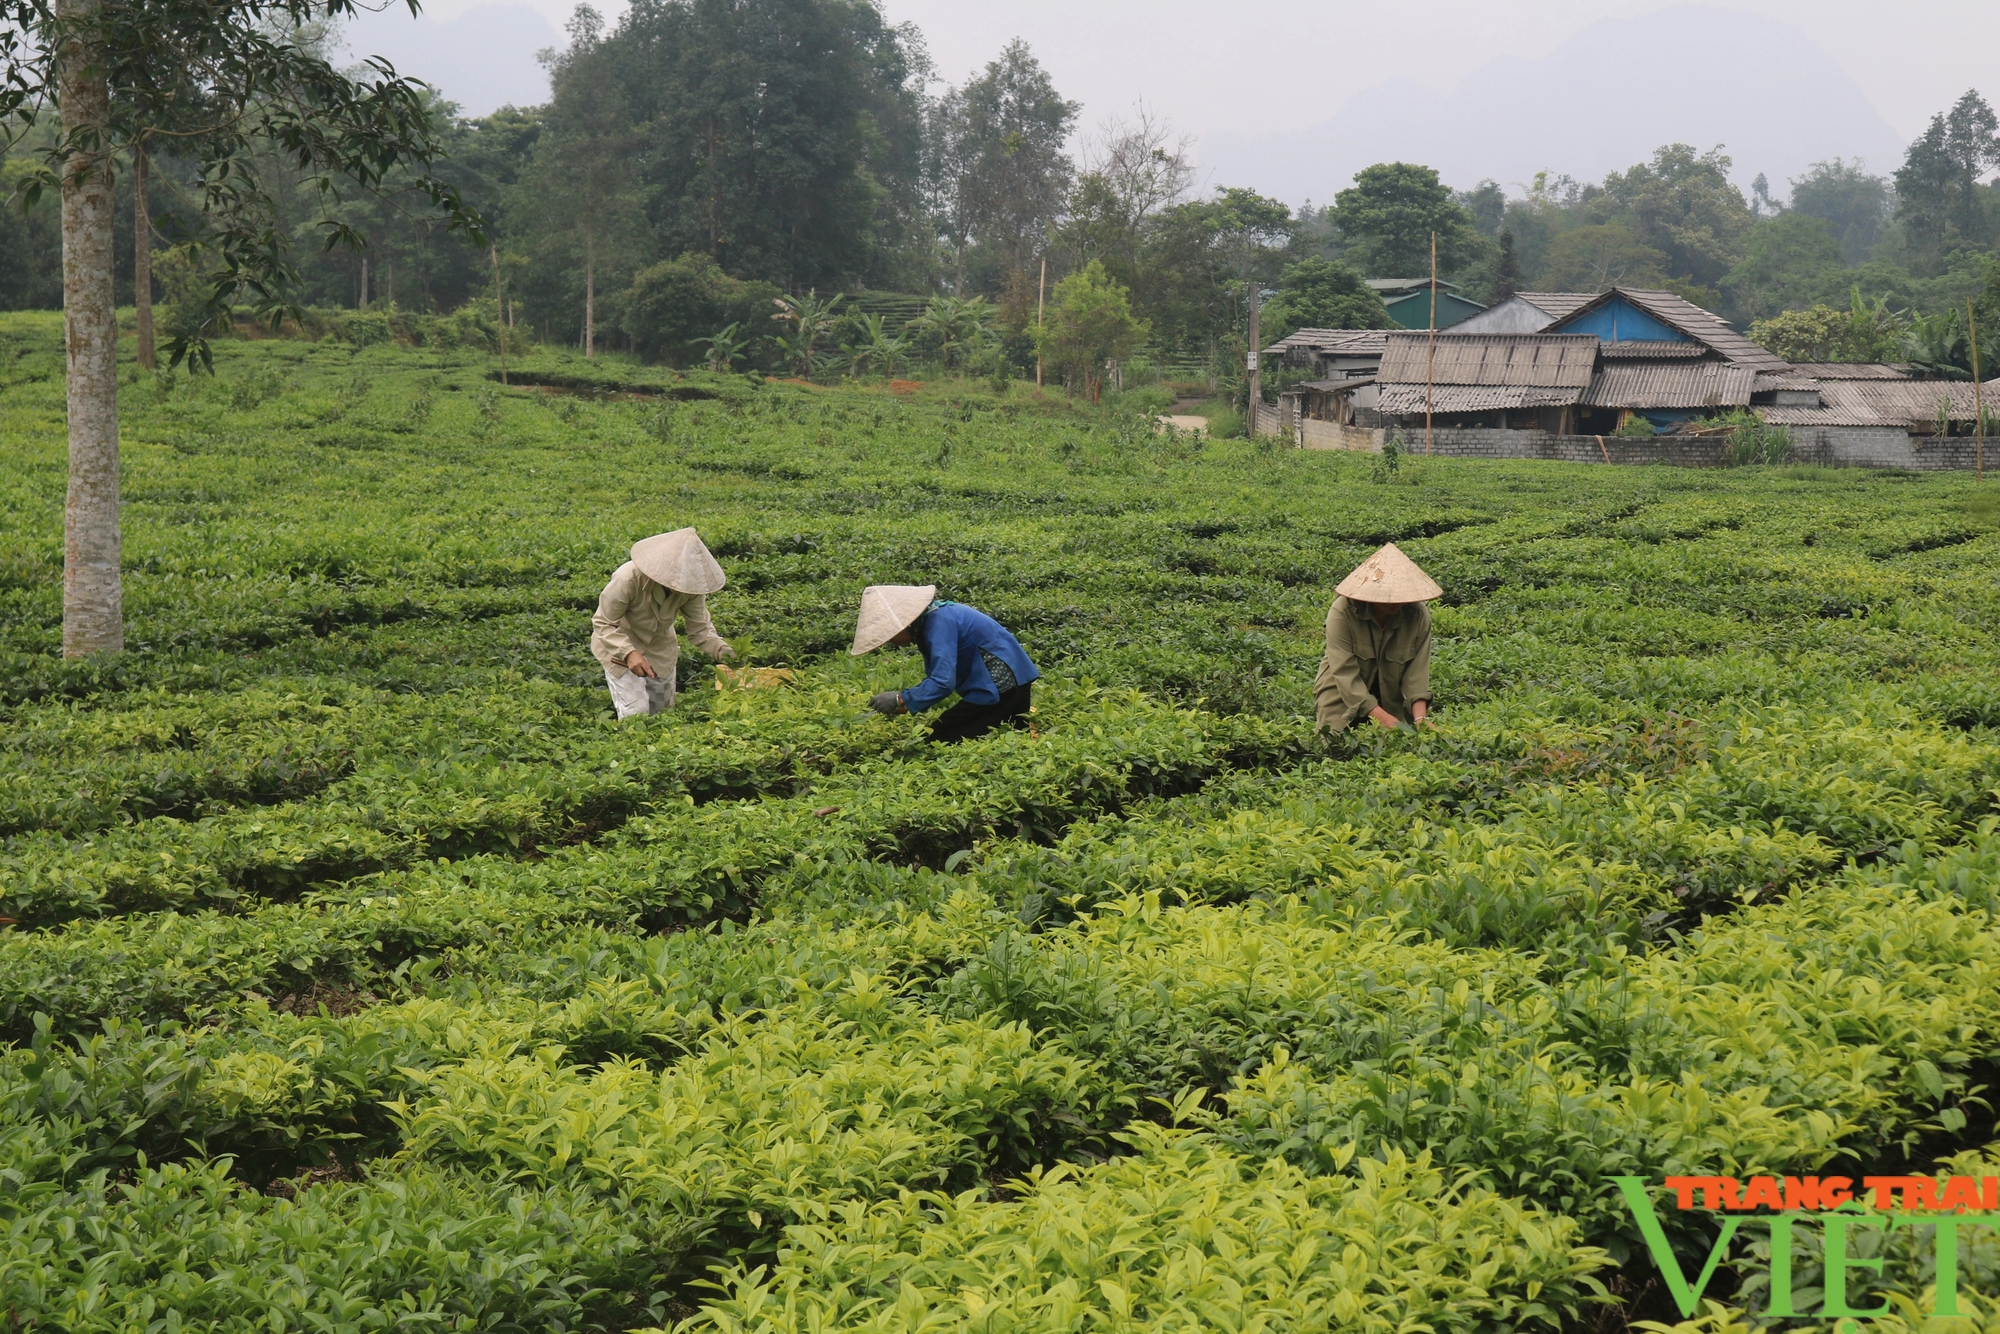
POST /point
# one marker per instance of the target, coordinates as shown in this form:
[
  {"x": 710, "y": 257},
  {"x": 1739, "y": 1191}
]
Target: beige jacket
[
  {"x": 633, "y": 612},
  {"x": 1369, "y": 665}
]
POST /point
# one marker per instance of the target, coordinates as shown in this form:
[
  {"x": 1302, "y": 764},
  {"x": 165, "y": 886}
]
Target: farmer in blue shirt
[{"x": 966, "y": 652}]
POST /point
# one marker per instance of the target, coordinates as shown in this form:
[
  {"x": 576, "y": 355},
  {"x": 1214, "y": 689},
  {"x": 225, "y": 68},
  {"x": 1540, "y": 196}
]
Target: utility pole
[
  {"x": 1041, "y": 295},
  {"x": 499, "y": 308},
  {"x": 1978, "y": 398},
  {"x": 1256, "y": 363},
  {"x": 142, "y": 256},
  {"x": 1430, "y": 366}
]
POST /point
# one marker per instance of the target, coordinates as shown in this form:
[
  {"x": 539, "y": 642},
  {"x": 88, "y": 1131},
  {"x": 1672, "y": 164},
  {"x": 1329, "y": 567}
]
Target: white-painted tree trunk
[{"x": 93, "y": 604}]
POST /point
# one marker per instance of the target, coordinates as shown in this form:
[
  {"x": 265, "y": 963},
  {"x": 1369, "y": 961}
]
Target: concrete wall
[{"x": 1332, "y": 435}]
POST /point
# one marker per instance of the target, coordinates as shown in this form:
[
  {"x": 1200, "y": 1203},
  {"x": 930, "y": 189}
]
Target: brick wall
[{"x": 1856, "y": 447}]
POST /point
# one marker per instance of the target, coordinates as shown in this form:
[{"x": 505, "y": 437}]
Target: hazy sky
[{"x": 1235, "y": 69}]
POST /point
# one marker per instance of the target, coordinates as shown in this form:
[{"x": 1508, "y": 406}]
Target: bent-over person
[
  {"x": 966, "y": 653},
  {"x": 1378, "y": 646},
  {"x": 632, "y": 632}
]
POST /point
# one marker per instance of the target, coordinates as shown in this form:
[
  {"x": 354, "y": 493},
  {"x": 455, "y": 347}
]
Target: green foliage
[
  {"x": 1322, "y": 294},
  {"x": 1600, "y": 255},
  {"x": 1636, "y": 427},
  {"x": 1788, "y": 262},
  {"x": 1861, "y": 333},
  {"x": 1089, "y": 322},
  {"x": 1389, "y": 215},
  {"x": 363, "y": 968},
  {"x": 671, "y": 306},
  {"x": 1682, "y": 205},
  {"x": 1179, "y": 1227}
]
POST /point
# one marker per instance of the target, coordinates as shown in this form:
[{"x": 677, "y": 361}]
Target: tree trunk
[
  {"x": 364, "y": 284},
  {"x": 589, "y": 294},
  {"x": 142, "y": 256},
  {"x": 93, "y": 606}
]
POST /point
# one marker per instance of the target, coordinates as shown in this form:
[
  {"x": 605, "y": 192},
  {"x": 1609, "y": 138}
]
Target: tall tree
[
  {"x": 1196, "y": 261},
  {"x": 1683, "y": 205},
  {"x": 1322, "y": 294},
  {"x": 1388, "y": 216},
  {"x": 1131, "y": 170},
  {"x": 581, "y": 182},
  {"x": 1853, "y": 203},
  {"x": 1601, "y": 255},
  {"x": 1090, "y": 323},
  {"x": 112, "y": 71},
  {"x": 763, "y": 145},
  {"x": 998, "y": 174},
  {"x": 1791, "y": 262},
  {"x": 1937, "y": 187}
]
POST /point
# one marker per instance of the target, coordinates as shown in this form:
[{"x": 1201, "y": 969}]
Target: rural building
[
  {"x": 1525, "y": 312},
  {"x": 1409, "y": 302},
  {"x": 1595, "y": 362}
]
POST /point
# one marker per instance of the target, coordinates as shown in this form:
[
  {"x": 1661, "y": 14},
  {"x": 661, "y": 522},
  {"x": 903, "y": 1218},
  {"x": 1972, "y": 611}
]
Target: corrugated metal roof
[
  {"x": 1705, "y": 326},
  {"x": 1639, "y": 349},
  {"x": 1357, "y": 342},
  {"x": 1901, "y": 403},
  {"x": 1709, "y": 384},
  {"x": 1557, "y": 304},
  {"x": 1851, "y": 370},
  {"x": 1542, "y": 360},
  {"x": 1407, "y": 399}
]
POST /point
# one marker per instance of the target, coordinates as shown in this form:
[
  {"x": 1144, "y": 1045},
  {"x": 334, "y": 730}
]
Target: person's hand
[
  {"x": 635, "y": 663},
  {"x": 728, "y": 654},
  {"x": 1384, "y": 718},
  {"x": 1420, "y": 712},
  {"x": 888, "y": 702}
]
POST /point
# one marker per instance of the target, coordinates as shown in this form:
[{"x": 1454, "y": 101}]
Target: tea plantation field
[{"x": 364, "y": 974}]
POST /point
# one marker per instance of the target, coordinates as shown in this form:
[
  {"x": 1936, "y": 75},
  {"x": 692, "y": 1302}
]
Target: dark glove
[{"x": 889, "y": 701}]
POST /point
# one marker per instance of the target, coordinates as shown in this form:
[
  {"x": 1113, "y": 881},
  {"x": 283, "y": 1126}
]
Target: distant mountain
[
  {"x": 482, "y": 60},
  {"x": 1602, "y": 101}
]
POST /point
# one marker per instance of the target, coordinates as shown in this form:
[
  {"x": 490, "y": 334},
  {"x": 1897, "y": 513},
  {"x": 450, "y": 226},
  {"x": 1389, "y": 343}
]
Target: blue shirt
[{"x": 953, "y": 638}]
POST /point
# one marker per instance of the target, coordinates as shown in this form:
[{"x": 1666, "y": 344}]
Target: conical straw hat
[
  {"x": 1388, "y": 576},
  {"x": 887, "y": 609},
  {"x": 679, "y": 561}
]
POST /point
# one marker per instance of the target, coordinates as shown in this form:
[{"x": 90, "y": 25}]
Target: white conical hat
[
  {"x": 679, "y": 561},
  {"x": 1388, "y": 576},
  {"x": 887, "y": 609}
]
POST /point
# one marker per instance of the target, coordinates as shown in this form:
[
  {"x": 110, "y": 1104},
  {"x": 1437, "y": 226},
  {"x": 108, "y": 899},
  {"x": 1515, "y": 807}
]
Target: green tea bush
[{"x": 358, "y": 968}]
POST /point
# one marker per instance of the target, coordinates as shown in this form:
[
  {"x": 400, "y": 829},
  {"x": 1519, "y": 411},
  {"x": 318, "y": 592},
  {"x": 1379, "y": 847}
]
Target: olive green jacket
[
  {"x": 633, "y": 612},
  {"x": 1369, "y": 665}
]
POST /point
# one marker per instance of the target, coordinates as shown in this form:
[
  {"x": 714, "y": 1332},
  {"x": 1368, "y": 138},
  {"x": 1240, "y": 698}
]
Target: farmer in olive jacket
[
  {"x": 632, "y": 634},
  {"x": 1378, "y": 646}
]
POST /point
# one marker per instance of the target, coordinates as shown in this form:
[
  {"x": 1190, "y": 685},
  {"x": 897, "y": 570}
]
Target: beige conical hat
[
  {"x": 1388, "y": 576},
  {"x": 887, "y": 609},
  {"x": 679, "y": 561}
]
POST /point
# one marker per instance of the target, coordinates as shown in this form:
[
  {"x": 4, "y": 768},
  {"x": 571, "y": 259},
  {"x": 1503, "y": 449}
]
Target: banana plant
[
  {"x": 958, "y": 326},
  {"x": 874, "y": 349},
  {"x": 811, "y": 320},
  {"x": 1936, "y": 346},
  {"x": 726, "y": 347}
]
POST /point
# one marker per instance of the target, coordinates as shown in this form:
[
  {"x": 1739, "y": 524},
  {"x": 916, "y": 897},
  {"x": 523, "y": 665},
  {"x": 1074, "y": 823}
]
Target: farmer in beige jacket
[
  {"x": 632, "y": 633},
  {"x": 1378, "y": 646}
]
